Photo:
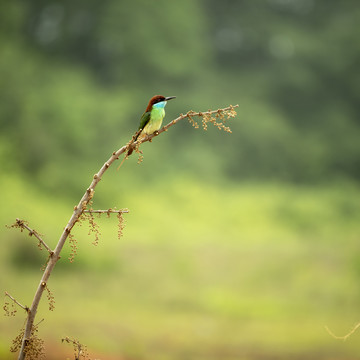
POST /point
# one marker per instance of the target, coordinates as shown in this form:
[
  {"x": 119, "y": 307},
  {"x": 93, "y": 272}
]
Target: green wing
[{"x": 144, "y": 120}]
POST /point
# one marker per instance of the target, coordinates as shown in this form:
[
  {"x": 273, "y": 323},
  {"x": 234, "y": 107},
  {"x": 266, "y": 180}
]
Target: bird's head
[{"x": 158, "y": 101}]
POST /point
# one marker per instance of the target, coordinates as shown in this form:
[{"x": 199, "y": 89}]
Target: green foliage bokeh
[
  {"x": 236, "y": 246},
  {"x": 76, "y": 78}
]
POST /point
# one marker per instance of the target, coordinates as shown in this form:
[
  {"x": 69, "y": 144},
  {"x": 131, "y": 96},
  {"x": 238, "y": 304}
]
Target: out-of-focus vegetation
[
  {"x": 76, "y": 78},
  {"x": 237, "y": 246},
  {"x": 243, "y": 272}
]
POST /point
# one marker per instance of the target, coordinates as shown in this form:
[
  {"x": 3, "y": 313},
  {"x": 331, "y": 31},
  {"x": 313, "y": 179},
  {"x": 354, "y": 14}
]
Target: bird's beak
[{"x": 169, "y": 98}]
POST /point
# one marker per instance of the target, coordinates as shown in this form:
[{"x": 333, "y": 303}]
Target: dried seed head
[
  {"x": 93, "y": 227},
  {"x": 121, "y": 225},
  {"x": 217, "y": 118},
  {"x": 50, "y": 298},
  {"x": 191, "y": 119},
  {"x": 80, "y": 350},
  {"x": 10, "y": 308},
  {"x": 73, "y": 245},
  {"x": 34, "y": 348}
]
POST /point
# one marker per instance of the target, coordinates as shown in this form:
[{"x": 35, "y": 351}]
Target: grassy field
[{"x": 203, "y": 271}]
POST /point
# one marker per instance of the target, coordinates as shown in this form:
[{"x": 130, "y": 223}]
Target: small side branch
[
  {"x": 80, "y": 350},
  {"x": 16, "y": 302},
  {"x": 227, "y": 111},
  {"x": 88, "y": 214},
  {"x": 22, "y": 224},
  {"x": 108, "y": 211}
]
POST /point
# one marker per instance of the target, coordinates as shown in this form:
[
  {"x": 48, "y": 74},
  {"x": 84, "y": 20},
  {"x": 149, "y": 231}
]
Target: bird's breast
[{"x": 155, "y": 122}]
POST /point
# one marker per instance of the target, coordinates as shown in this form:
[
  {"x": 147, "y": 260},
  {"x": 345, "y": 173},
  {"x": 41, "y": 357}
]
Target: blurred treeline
[{"x": 77, "y": 75}]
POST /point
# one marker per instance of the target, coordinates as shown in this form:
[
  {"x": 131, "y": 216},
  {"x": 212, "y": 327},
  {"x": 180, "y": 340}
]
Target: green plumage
[
  {"x": 152, "y": 118},
  {"x": 151, "y": 121},
  {"x": 144, "y": 119}
]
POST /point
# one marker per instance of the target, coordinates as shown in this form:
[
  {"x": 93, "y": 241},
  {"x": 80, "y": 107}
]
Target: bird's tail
[{"x": 130, "y": 147}]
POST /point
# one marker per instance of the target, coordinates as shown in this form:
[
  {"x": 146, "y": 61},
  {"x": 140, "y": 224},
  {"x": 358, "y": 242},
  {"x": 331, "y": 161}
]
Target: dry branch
[
  {"x": 80, "y": 208},
  {"x": 108, "y": 211},
  {"x": 21, "y": 224},
  {"x": 16, "y": 302}
]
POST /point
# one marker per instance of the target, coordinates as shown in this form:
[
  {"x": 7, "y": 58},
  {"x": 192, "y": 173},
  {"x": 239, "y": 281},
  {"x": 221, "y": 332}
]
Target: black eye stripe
[{"x": 160, "y": 99}]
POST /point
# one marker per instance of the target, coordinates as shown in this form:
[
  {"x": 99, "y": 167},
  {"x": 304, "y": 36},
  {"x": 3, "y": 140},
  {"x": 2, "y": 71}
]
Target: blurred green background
[{"x": 240, "y": 246}]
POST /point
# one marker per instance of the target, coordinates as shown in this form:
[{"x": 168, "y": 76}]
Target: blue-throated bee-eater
[{"x": 152, "y": 118}]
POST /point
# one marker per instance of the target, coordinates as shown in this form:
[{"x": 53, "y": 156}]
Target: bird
[{"x": 152, "y": 118}]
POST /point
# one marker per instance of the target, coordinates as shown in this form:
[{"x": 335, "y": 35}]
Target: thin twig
[
  {"x": 22, "y": 224},
  {"x": 109, "y": 211},
  {"x": 39, "y": 323},
  {"x": 16, "y": 302},
  {"x": 80, "y": 348},
  {"x": 345, "y": 336}
]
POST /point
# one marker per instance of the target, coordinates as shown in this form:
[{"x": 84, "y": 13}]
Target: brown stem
[{"x": 78, "y": 210}]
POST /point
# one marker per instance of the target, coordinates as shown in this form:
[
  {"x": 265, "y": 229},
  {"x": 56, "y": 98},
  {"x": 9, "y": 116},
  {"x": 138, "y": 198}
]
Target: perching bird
[{"x": 152, "y": 118}]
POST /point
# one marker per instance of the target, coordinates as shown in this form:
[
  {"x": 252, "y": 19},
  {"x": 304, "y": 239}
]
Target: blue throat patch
[{"x": 160, "y": 104}]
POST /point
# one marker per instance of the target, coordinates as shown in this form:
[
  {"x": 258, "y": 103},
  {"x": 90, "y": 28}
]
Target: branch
[
  {"x": 345, "y": 336},
  {"x": 21, "y": 224},
  {"x": 16, "y": 302},
  {"x": 108, "y": 211},
  {"x": 80, "y": 208},
  {"x": 205, "y": 114}
]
